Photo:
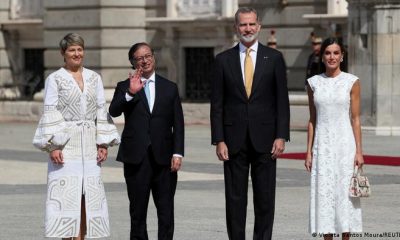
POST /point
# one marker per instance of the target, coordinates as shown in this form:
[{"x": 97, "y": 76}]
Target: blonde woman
[{"x": 76, "y": 131}]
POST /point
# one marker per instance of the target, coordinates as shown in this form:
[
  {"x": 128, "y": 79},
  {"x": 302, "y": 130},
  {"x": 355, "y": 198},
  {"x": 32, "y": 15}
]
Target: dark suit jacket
[
  {"x": 163, "y": 128},
  {"x": 264, "y": 116}
]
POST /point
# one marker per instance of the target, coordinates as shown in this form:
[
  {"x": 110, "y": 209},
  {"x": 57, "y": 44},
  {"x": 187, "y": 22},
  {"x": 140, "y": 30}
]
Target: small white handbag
[{"x": 359, "y": 184}]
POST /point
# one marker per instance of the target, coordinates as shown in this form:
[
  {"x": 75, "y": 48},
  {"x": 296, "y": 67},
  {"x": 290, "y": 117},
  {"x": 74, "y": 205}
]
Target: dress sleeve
[
  {"x": 51, "y": 132},
  {"x": 311, "y": 82},
  {"x": 106, "y": 131},
  {"x": 353, "y": 79}
]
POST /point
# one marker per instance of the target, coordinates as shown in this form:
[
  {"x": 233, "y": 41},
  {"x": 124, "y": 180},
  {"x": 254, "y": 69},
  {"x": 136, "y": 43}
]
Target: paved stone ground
[{"x": 200, "y": 213}]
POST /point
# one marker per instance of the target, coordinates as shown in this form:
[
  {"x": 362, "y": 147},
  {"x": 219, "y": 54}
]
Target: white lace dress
[
  {"x": 75, "y": 121},
  {"x": 331, "y": 208}
]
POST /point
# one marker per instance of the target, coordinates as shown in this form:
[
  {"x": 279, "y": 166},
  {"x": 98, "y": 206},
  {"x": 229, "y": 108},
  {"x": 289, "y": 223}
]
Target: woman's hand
[
  {"x": 308, "y": 162},
  {"x": 359, "y": 160},
  {"x": 57, "y": 157},
  {"x": 101, "y": 154}
]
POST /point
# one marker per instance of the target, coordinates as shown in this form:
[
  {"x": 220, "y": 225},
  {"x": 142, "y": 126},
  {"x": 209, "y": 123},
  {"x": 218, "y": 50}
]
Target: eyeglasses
[{"x": 143, "y": 58}]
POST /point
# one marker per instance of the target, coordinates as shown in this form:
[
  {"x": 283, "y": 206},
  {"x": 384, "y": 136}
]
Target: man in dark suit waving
[
  {"x": 152, "y": 143},
  {"x": 249, "y": 124}
]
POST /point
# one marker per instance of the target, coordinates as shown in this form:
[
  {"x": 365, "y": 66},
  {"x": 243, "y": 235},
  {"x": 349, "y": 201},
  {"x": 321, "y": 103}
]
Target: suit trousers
[
  {"x": 140, "y": 180},
  {"x": 263, "y": 177}
]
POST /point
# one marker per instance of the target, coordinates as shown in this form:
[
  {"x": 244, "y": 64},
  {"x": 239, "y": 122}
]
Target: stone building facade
[
  {"x": 186, "y": 35},
  {"x": 374, "y": 40},
  {"x": 181, "y": 32}
]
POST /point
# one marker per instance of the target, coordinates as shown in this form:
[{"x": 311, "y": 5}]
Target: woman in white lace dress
[
  {"x": 76, "y": 131},
  {"x": 333, "y": 146}
]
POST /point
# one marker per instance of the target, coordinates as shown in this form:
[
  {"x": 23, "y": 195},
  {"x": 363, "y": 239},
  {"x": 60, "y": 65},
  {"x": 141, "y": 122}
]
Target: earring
[{"x": 341, "y": 60}]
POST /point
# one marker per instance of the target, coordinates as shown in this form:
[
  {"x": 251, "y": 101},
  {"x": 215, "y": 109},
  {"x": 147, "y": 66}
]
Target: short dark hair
[
  {"x": 134, "y": 48},
  {"x": 245, "y": 10},
  {"x": 327, "y": 42}
]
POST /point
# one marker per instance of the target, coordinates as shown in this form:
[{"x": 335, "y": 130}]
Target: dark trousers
[
  {"x": 263, "y": 176},
  {"x": 140, "y": 180}
]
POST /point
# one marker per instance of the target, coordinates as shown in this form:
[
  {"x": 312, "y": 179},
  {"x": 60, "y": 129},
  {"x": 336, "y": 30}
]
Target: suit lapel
[
  {"x": 234, "y": 62},
  {"x": 142, "y": 95},
  {"x": 261, "y": 64},
  {"x": 158, "y": 92}
]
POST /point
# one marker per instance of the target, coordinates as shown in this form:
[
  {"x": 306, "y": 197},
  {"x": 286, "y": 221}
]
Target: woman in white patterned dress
[
  {"x": 76, "y": 130},
  {"x": 333, "y": 145}
]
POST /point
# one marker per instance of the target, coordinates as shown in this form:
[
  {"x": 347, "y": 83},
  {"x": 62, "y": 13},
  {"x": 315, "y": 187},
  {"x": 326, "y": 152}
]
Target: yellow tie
[{"x": 248, "y": 72}]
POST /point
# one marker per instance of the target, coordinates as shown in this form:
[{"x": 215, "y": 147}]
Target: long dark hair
[{"x": 327, "y": 42}]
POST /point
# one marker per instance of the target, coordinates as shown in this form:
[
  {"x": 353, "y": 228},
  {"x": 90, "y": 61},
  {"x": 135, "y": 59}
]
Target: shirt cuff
[
  {"x": 284, "y": 139},
  {"x": 128, "y": 97},
  {"x": 177, "y": 155}
]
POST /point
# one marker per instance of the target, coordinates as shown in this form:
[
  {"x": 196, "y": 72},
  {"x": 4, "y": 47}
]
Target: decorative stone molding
[
  {"x": 9, "y": 93},
  {"x": 336, "y": 14},
  {"x": 26, "y": 9},
  {"x": 337, "y": 7},
  {"x": 370, "y": 3},
  {"x": 196, "y": 8}
]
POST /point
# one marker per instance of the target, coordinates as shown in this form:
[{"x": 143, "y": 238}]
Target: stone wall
[
  {"x": 194, "y": 113},
  {"x": 292, "y": 32},
  {"x": 374, "y": 37},
  {"x": 5, "y": 71},
  {"x": 109, "y": 28}
]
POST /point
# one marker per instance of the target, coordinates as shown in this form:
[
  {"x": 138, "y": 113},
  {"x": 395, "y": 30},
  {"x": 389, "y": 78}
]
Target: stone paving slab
[{"x": 200, "y": 211}]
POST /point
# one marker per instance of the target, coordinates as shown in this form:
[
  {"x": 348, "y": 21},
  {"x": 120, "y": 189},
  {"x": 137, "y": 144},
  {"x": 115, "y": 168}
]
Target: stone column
[
  {"x": 6, "y": 75},
  {"x": 172, "y": 9},
  {"x": 229, "y": 8},
  {"x": 109, "y": 28},
  {"x": 337, "y": 7},
  {"x": 374, "y": 40},
  {"x": 170, "y": 57}
]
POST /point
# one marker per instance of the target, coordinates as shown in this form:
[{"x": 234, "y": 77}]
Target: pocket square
[{"x": 265, "y": 57}]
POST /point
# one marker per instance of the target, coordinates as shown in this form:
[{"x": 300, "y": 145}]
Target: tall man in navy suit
[
  {"x": 152, "y": 143},
  {"x": 249, "y": 124}
]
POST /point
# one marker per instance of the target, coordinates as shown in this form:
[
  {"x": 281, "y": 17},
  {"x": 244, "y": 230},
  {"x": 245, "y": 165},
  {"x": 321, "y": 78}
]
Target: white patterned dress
[
  {"x": 75, "y": 121},
  {"x": 334, "y": 149}
]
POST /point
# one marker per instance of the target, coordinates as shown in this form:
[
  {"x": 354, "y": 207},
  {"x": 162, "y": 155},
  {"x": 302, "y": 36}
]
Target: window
[
  {"x": 199, "y": 65},
  {"x": 33, "y": 71}
]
